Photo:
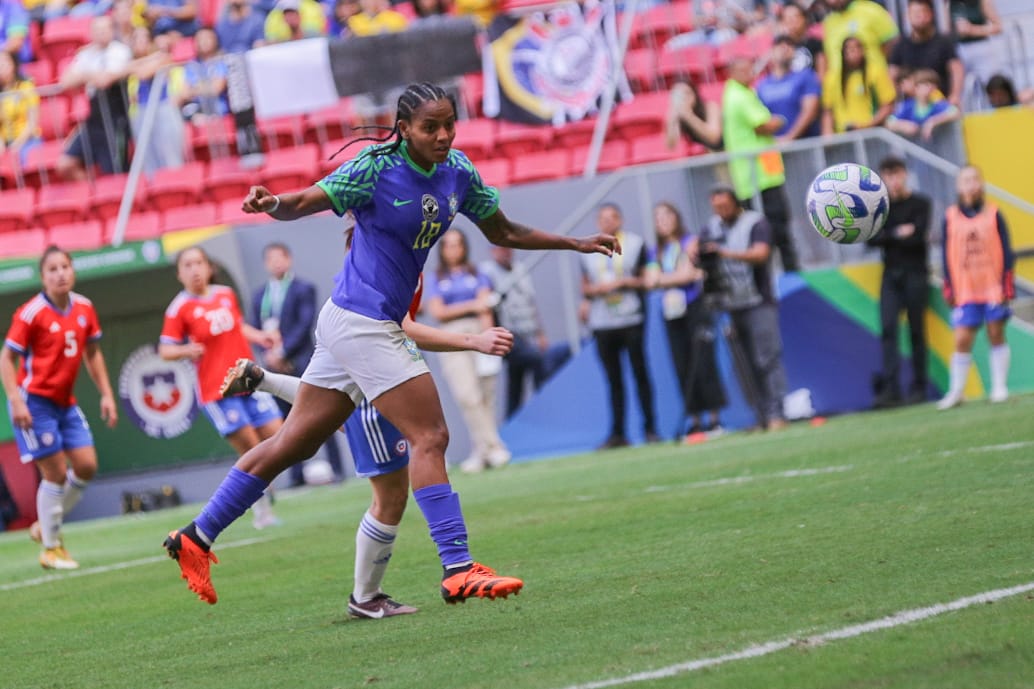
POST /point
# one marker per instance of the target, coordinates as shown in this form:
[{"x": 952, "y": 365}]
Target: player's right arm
[
  {"x": 289, "y": 206},
  {"x": 20, "y": 415},
  {"x": 174, "y": 343}
]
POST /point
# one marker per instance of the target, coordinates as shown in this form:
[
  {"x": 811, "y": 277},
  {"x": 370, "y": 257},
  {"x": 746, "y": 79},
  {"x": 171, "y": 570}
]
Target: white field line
[
  {"x": 104, "y": 569},
  {"x": 1004, "y": 447},
  {"x": 896, "y": 620},
  {"x": 737, "y": 480}
]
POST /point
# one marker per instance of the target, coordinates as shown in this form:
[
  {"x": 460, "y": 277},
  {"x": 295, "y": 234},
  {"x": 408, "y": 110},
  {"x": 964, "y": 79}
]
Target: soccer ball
[{"x": 848, "y": 203}]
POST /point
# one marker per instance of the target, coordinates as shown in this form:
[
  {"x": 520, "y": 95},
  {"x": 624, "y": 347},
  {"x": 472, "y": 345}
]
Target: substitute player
[
  {"x": 404, "y": 194},
  {"x": 204, "y": 324},
  {"x": 978, "y": 283},
  {"x": 52, "y": 333}
]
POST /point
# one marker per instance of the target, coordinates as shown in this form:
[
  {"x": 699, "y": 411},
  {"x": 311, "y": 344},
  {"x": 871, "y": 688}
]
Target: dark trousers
[
  {"x": 610, "y": 344},
  {"x": 757, "y": 332},
  {"x": 692, "y": 341},
  {"x": 776, "y": 210},
  {"x": 527, "y": 359},
  {"x": 297, "y": 475},
  {"x": 903, "y": 289}
]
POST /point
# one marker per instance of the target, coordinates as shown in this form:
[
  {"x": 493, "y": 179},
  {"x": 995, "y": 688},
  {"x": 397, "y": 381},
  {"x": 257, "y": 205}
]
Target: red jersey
[
  {"x": 51, "y": 343},
  {"x": 215, "y": 321}
]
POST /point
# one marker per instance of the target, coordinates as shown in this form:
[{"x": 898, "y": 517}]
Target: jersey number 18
[{"x": 428, "y": 231}]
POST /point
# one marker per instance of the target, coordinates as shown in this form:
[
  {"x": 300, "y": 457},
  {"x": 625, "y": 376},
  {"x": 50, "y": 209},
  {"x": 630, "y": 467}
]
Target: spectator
[
  {"x": 978, "y": 284},
  {"x": 691, "y": 116},
  {"x": 240, "y": 28},
  {"x": 482, "y": 11},
  {"x": 808, "y": 49},
  {"x": 791, "y": 95},
  {"x": 376, "y": 17},
  {"x": 83, "y": 8},
  {"x": 976, "y": 25},
  {"x": 164, "y": 146},
  {"x": 293, "y": 20},
  {"x": 925, "y": 48},
  {"x": 339, "y": 16},
  {"x": 688, "y": 321},
  {"x": 1002, "y": 94},
  {"x": 203, "y": 94},
  {"x": 125, "y": 17},
  {"x": 285, "y": 307},
  {"x": 747, "y": 125},
  {"x": 740, "y": 242},
  {"x": 426, "y": 9},
  {"x": 865, "y": 20},
  {"x": 926, "y": 110},
  {"x": 101, "y": 139},
  {"x": 858, "y": 95},
  {"x": 613, "y": 285},
  {"x": 19, "y": 110},
  {"x": 904, "y": 284},
  {"x": 178, "y": 18},
  {"x": 458, "y": 296},
  {"x": 14, "y": 30},
  {"x": 532, "y": 355},
  {"x": 715, "y": 23}
]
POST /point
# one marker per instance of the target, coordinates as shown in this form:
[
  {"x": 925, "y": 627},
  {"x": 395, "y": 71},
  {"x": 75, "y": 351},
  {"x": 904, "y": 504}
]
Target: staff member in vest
[
  {"x": 613, "y": 286},
  {"x": 978, "y": 283},
  {"x": 286, "y": 307},
  {"x": 741, "y": 241},
  {"x": 747, "y": 125}
]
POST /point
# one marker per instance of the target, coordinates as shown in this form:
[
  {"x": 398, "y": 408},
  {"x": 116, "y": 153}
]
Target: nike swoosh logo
[{"x": 398, "y": 202}]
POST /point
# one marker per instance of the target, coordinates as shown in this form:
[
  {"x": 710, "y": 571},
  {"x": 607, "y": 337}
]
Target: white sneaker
[
  {"x": 57, "y": 558},
  {"x": 472, "y": 465},
  {"x": 499, "y": 457},
  {"x": 999, "y": 395},
  {"x": 262, "y": 515},
  {"x": 950, "y": 401}
]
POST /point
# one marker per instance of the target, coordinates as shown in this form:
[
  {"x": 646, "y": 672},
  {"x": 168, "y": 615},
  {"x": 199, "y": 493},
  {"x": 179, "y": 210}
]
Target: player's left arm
[
  {"x": 502, "y": 231},
  {"x": 93, "y": 358},
  {"x": 496, "y": 341}
]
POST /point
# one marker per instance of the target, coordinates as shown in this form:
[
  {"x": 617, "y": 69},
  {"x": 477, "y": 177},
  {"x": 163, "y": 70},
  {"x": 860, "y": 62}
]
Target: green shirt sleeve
[
  {"x": 351, "y": 185},
  {"x": 481, "y": 200}
]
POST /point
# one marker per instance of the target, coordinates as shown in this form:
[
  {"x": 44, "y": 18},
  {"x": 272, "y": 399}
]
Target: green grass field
[{"x": 634, "y": 561}]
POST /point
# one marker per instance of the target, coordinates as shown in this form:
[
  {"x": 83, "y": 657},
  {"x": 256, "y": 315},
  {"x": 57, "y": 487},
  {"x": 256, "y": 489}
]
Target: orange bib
[{"x": 974, "y": 256}]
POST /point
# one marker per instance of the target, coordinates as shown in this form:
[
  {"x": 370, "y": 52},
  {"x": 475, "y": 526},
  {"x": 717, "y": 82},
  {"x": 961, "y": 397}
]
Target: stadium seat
[
  {"x": 472, "y": 92},
  {"x": 651, "y": 149},
  {"x": 16, "y": 208},
  {"x": 79, "y": 236},
  {"x": 173, "y": 187},
  {"x": 214, "y": 138},
  {"x": 229, "y": 213},
  {"x": 282, "y": 132},
  {"x": 183, "y": 50},
  {"x": 516, "y": 139},
  {"x": 495, "y": 172},
  {"x": 476, "y": 138},
  {"x": 53, "y": 117},
  {"x": 711, "y": 92},
  {"x": 189, "y": 217},
  {"x": 575, "y": 134},
  {"x": 107, "y": 195},
  {"x": 23, "y": 243},
  {"x": 60, "y": 204},
  {"x": 290, "y": 169},
  {"x": 613, "y": 156},
  {"x": 693, "y": 62},
  {"x": 62, "y": 36},
  {"x": 535, "y": 167},
  {"x": 141, "y": 226},
  {"x": 41, "y": 72},
  {"x": 227, "y": 180},
  {"x": 752, "y": 47},
  {"x": 642, "y": 116},
  {"x": 78, "y": 109},
  {"x": 641, "y": 69},
  {"x": 41, "y": 163},
  {"x": 660, "y": 23},
  {"x": 10, "y": 171},
  {"x": 330, "y": 123},
  {"x": 329, "y": 150}
]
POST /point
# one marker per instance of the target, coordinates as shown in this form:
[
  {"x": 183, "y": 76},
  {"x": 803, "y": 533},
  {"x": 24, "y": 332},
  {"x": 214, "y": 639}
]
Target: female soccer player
[
  {"x": 52, "y": 333},
  {"x": 978, "y": 283},
  {"x": 204, "y": 324},
  {"x": 404, "y": 194}
]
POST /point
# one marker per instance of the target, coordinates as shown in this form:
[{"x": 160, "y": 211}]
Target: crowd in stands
[{"x": 76, "y": 77}]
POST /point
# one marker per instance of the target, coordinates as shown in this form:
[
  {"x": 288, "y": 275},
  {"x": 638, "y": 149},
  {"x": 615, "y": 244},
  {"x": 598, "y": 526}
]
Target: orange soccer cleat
[
  {"x": 480, "y": 581},
  {"x": 194, "y": 562}
]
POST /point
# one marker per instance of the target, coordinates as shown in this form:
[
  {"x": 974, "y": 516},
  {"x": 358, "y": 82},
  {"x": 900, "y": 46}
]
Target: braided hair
[{"x": 409, "y": 102}]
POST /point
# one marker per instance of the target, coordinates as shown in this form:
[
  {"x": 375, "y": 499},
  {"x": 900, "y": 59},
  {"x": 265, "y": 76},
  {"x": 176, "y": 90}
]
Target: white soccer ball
[
  {"x": 317, "y": 472},
  {"x": 848, "y": 203}
]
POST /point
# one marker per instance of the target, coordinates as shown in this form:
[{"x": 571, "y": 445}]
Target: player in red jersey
[
  {"x": 53, "y": 333},
  {"x": 204, "y": 324}
]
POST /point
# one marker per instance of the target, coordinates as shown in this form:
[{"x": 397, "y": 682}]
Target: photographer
[{"x": 734, "y": 250}]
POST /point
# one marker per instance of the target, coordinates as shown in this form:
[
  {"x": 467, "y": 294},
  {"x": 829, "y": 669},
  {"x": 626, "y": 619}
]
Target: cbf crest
[
  {"x": 429, "y": 206},
  {"x": 454, "y": 206}
]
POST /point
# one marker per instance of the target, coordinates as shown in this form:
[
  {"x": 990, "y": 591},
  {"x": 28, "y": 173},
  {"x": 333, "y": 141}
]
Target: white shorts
[{"x": 361, "y": 356}]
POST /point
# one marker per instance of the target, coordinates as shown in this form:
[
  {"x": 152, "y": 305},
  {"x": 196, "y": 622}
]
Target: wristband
[{"x": 275, "y": 205}]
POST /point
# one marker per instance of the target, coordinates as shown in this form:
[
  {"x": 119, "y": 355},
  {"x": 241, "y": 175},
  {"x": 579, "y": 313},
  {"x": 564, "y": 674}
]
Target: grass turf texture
[{"x": 633, "y": 560}]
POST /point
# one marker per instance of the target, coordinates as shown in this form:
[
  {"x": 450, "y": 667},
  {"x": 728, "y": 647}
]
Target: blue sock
[
  {"x": 238, "y": 491},
  {"x": 441, "y": 508}
]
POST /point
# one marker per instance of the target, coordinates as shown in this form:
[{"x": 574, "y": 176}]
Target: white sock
[
  {"x": 374, "y": 542},
  {"x": 49, "y": 511},
  {"x": 74, "y": 487},
  {"x": 1000, "y": 356},
  {"x": 959, "y": 371},
  {"x": 280, "y": 385}
]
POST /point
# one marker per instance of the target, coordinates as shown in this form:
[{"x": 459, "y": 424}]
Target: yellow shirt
[
  {"x": 314, "y": 22},
  {"x": 388, "y": 21},
  {"x": 482, "y": 10},
  {"x": 858, "y": 102},
  {"x": 15, "y": 106},
  {"x": 865, "y": 20}
]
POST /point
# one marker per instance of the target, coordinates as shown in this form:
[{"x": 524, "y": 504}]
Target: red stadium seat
[
  {"x": 495, "y": 172},
  {"x": 173, "y": 187},
  {"x": 516, "y": 139},
  {"x": 535, "y": 167},
  {"x": 711, "y": 92},
  {"x": 189, "y": 217},
  {"x": 41, "y": 163},
  {"x": 139, "y": 227},
  {"x": 326, "y": 163},
  {"x": 291, "y": 169},
  {"x": 476, "y": 138},
  {"x": 613, "y": 156},
  {"x": 79, "y": 236},
  {"x": 752, "y": 47},
  {"x": 691, "y": 62},
  {"x": 53, "y": 117},
  {"x": 107, "y": 195},
  {"x": 226, "y": 179},
  {"x": 574, "y": 134},
  {"x": 642, "y": 116},
  {"x": 213, "y": 138},
  {"x": 16, "y": 208},
  {"x": 651, "y": 149},
  {"x": 656, "y": 25},
  {"x": 23, "y": 243},
  {"x": 60, "y": 204},
  {"x": 229, "y": 213},
  {"x": 641, "y": 69},
  {"x": 41, "y": 72},
  {"x": 62, "y": 36},
  {"x": 282, "y": 132},
  {"x": 331, "y": 123}
]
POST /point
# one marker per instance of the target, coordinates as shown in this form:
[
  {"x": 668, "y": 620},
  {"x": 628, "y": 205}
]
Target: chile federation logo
[{"x": 157, "y": 395}]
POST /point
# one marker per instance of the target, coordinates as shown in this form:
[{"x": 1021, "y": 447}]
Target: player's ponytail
[{"x": 411, "y": 99}]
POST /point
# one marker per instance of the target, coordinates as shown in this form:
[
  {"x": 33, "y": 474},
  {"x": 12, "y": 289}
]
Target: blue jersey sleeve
[
  {"x": 480, "y": 200},
  {"x": 352, "y": 184}
]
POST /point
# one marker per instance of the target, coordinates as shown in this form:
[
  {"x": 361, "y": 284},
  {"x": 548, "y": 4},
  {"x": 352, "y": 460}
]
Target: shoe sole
[{"x": 480, "y": 591}]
